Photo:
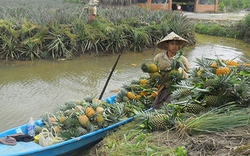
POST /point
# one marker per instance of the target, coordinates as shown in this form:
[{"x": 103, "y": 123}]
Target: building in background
[{"x": 199, "y": 6}]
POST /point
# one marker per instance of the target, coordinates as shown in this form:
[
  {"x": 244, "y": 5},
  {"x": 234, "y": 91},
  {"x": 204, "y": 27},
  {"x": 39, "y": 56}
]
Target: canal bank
[{"x": 217, "y": 16}]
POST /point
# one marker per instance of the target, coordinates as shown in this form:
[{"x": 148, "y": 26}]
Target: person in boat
[{"x": 172, "y": 43}]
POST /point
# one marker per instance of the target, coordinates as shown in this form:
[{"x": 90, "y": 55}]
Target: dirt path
[{"x": 217, "y": 16}]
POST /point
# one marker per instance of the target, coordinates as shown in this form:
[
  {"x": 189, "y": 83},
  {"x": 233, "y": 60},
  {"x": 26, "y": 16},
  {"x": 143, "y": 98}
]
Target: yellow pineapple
[
  {"x": 232, "y": 63},
  {"x": 89, "y": 111},
  {"x": 214, "y": 65},
  {"x": 130, "y": 95},
  {"x": 222, "y": 71},
  {"x": 199, "y": 72},
  {"x": 99, "y": 118},
  {"x": 84, "y": 120}
]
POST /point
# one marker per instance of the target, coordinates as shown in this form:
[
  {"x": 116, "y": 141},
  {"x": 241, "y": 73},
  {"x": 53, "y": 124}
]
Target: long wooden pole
[{"x": 110, "y": 74}]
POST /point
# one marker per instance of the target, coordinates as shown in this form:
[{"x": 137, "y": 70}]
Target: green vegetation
[
  {"x": 233, "y": 5},
  {"x": 132, "y": 140},
  {"x": 30, "y": 29},
  {"x": 229, "y": 29}
]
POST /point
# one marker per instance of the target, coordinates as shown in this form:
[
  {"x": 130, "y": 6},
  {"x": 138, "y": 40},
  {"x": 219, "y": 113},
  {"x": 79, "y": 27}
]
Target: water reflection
[{"x": 32, "y": 88}]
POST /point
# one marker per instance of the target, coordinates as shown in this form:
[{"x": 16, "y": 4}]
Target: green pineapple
[
  {"x": 211, "y": 82},
  {"x": 155, "y": 76},
  {"x": 82, "y": 130},
  {"x": 212, "y": 101},
  {"x": 194, "y": 108},
  {"x": 144, "y": 68},
  {"x": 186, "y": 92},
  {"x": 159, "y": 122}
]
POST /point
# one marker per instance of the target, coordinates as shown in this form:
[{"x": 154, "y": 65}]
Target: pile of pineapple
[
  {"x": 76, "y": 118},
  {"x": 211, "y": 84},
  {"x": 141, "y": 93}
]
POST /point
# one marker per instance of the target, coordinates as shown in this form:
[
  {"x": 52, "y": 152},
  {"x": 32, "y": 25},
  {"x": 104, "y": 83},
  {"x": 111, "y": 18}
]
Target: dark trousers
[{"x": 162, "y": 97}]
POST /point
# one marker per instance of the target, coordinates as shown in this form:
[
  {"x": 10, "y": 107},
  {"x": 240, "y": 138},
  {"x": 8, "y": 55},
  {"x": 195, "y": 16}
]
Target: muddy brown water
[{"x": 29, "y": 89}]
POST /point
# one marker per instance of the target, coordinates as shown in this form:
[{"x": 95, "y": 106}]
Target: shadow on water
[{"x": 32, "y": 88}]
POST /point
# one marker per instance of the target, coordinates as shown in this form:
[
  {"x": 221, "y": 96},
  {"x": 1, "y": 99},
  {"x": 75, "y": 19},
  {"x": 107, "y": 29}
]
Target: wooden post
[
  {"x": 170, "y": 2},
  {"x": 216, "y": 6}
]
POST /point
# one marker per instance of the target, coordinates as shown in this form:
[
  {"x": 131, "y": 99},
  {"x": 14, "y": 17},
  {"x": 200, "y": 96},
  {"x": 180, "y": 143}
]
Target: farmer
[
  {"x": 178, "y": 7},
  {"x": 171, "y": 44}
]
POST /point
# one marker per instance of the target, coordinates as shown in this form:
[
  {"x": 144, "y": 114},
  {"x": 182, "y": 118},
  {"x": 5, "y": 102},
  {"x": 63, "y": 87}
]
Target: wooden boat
[{"x": 68, "y": 147}]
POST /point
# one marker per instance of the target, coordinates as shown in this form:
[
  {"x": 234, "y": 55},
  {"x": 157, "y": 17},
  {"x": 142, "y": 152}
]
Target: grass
[{"x": 132, "y": 140}]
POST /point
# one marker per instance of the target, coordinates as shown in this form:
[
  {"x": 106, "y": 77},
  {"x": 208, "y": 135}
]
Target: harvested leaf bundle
[{"x": 218, "y": 120}]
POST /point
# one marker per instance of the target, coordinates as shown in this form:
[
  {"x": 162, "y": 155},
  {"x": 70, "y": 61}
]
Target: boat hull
[
  {"x": 64, "y": 148},
  {"x": 67, "y": 147}
]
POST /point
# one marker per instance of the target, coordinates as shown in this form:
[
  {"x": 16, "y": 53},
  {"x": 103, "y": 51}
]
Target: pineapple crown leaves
[
  {"x": 176, "y": 62},
  {"x": 227, "y": 81},
  {"x": 114, "y": 112},
  {"x": 192, "y": 88},
  {"x": 221, "y": 63},
  {"x": 172, "y": 110},
  {"x": 204, "y": 62},
  {"x": 143, "y": 116}
]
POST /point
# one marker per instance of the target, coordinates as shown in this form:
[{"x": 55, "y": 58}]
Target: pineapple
[
  {"x": 214, "y": 65},
  {"x": 151, "y": 68},
  {"x": 130, "y": 95},
  {"x": 99, "y": 118},
  {"x": 125, "y": 99},
  {"x": 99, "y": 110},
  {"x": 155, "y": 76},
  {"x": 89, "y": 111},
  {"x": 186, "y": 92},
  {"x": 199, "y": 72},
  {"x": 212, "y": 101},
  {"x": 159, "y": 122},
  {"x": 222, "y": 71},
  {"x": 144, "y": 68},
  {"x": 82, "y": 130},
  {"x": 84, "y": 121},
  {"x": 232, "y": 63},
  {"x": 211, "y": 82},
  {"x": 194, "y": 108}
]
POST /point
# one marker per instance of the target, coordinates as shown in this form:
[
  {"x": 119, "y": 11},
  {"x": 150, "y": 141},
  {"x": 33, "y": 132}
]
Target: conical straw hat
[{"x": 171, "y": 37}]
